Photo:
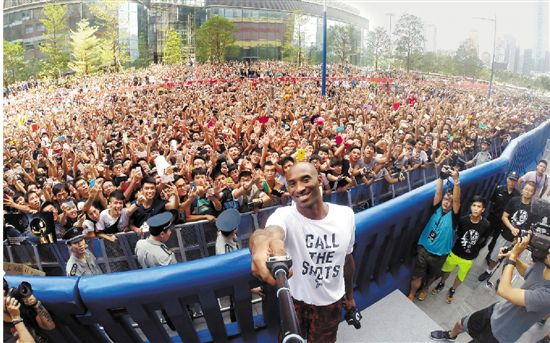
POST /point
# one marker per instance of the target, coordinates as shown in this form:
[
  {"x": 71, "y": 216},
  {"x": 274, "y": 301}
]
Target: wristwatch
[{"x": 508, "y": 261}]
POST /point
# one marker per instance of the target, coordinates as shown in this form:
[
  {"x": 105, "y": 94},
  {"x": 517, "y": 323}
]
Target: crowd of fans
[{"x": 105, "y": 153}]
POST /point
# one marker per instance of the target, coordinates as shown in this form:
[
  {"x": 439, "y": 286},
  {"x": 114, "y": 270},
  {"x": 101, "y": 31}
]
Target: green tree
[
  {"x": 295, "y": 38},
  {"x": 467, "y": 60},
  {"x": 409, "y": 38},
  {"x": 14, "y": 61},
  {"x": 172, "y": 48},
  {"x": 54, "y": 45},
  {"x": 114, "y": 52},
  {"x": 144, "y": 58},
  {"x": 378, "y": 45},
  {"x": 342, "y": 41},
  {"x": 86, "y": 52},
  {"x": 213, "y": 36}
]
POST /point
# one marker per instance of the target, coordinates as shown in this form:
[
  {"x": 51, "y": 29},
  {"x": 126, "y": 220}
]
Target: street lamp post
[
  {"x": 390, "y": 34},
  {"x": 324, "y": 67},
  {"x": 494, "y": 20}
]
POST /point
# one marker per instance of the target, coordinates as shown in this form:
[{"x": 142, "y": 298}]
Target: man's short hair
[
  {"x": 530, "y": 183},
  {"x": 480, "y": 199},
  {"x": 244, "y": 173},
  {"x": 148, "y": 179},
  {"x": 268, "y": 163},
  {"x": 117, "y": 195},
  {"x": 198, "y": 171},
  {"x": 543, "y": 161},
  {"x": 314, "y": 157},
  {"x": 335, "y": 161},
  {"x": 59, "y": 187},
  {"x": 285, "y": 160}
]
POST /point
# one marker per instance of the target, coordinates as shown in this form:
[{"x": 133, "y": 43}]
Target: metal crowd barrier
[
  {"x": 191, "y": 241},
  {"x": 386, "y": 239}
]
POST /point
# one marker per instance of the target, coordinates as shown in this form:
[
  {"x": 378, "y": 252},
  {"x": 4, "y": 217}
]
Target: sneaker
[
  {"x": 422, "y": 295},
  {"x": 441, "y": 335},
  {"x": 438, "y": 288},
  {"x": 451, "y": 295},
  {"x": 484, "y": 276}
]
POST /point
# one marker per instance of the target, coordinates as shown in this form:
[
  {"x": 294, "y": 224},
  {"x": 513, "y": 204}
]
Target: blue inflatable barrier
[{"x": 89, "y": 308}]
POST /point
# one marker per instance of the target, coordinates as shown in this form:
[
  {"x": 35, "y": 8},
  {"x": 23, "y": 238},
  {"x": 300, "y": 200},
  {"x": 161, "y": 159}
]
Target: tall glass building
[{"x": 263, "y": 25}]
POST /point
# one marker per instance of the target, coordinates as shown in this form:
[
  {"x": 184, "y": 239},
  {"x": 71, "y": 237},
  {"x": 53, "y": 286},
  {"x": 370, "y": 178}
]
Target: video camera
[
  {"x": 539, "y": 243},
  {"x": 23, "y": 291},
  {"x": 445, "y": 172},
  {"x": 456, "y": 161}
]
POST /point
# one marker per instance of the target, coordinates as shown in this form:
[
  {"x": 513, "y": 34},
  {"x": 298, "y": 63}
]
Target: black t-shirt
[
  {"x": 470, "y": 237},
  {"x": 500, "y": 199},
  {"x": 142, "y": 214},
  {"x": 520, "y": 217}
]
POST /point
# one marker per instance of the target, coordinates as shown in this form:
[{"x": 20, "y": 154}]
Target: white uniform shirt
[{"x": 318, "y": 249}]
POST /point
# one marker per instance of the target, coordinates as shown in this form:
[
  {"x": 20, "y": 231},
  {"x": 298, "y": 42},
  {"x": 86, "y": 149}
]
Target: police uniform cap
[
  {"x": 228, "y": 220},
  {"x": 159, "y": 223},
  {"x": 513, "y": 176},
  {"x": 73, "y": 235},
  {"x": 485, "y": 141}
]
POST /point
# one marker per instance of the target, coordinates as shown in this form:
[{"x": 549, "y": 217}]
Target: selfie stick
[{"x": 290, "y": 328}]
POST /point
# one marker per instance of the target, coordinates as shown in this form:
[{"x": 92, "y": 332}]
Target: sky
[{"x": 453, "y": 20}]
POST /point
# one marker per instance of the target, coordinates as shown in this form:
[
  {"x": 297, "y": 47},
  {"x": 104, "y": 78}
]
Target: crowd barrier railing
[{"x": 386, "y": 239}]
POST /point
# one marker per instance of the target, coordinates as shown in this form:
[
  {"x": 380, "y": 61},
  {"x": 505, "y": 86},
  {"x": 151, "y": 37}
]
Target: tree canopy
[
  {"x": 172, "y": 48},
  {"x": 378, "y": 45},
  {"x": 213, "y": 37},
  {"x": 54, "y": 46},
  {"x": 86, "y": 56},
  {"x": 409, "y": 33}
]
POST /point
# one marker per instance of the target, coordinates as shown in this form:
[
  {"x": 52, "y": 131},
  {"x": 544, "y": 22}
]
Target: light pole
[
  {"x": 324, "y": 68},
  {"x": 390, "y": 34},
  {"x": 494, "y": 20}
]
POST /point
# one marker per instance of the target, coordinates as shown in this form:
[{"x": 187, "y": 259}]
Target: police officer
[
  {"x": 500, "y": 198},
  {"x": 227, "y": 223},
  {"x": 152, "y": 252},
  {"x": 82, "y": 261}
]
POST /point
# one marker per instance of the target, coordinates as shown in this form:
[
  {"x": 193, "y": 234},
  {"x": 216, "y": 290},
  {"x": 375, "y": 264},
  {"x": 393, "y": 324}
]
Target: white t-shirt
[
  {"x": 105, "y": 220},
  {"x": 318, "y": 249}
]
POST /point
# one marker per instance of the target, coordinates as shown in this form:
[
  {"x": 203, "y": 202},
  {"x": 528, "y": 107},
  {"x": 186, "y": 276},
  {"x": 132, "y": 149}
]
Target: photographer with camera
[
  {"x": 522, "y": 307},
  {"x": 24, "y": 323},
  {"x": 319, "y": 237},
  {"x": 437, "y": 239}
]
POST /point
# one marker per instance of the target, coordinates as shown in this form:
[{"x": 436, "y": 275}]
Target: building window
[
  {"x": 40, "y": 28},
  {"x": 29, "y": 30}
]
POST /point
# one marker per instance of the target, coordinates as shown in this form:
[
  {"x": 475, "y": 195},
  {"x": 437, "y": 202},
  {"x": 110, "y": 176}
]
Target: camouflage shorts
[{"x": 319, "y": 323}]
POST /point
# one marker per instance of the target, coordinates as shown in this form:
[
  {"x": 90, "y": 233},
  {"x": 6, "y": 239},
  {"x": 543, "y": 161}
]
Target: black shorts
[
  {"x": 427, "y": 264},
  {"x": 478, "y": 325}
]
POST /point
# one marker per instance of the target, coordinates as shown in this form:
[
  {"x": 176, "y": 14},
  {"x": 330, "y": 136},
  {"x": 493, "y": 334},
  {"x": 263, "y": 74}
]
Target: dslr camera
[
  {"x": 24, "y": 290},
  {"x": 540, "y": 241},
  {"x": 445, "y": 172},
  {"x": 456, "y": 161},
  {"x": 367, "y": 173}
]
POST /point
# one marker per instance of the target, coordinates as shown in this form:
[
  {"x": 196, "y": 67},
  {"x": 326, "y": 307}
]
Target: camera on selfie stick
[
  {"x": 290, "y": 328},
  {"x": 353, "y": 317}
]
